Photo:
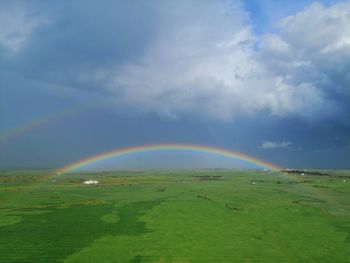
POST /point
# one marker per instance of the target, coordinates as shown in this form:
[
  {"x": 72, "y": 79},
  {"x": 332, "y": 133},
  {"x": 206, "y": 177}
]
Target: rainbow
[
  {"x": 159, "y": 147},
  {"x": 40, "y": 122}
]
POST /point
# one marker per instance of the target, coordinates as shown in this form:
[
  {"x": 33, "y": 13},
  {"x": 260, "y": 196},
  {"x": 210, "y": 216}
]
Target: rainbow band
[
  {"x": 40, "y": 122},
  {"x": 158, "y": 147}
]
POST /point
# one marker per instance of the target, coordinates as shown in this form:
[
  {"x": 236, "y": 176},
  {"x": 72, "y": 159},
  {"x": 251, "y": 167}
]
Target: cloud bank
[
  {"x": 189, "y": 58},
  {"x": 209, "y": 65},
  {"x": 312, "y": 48}
]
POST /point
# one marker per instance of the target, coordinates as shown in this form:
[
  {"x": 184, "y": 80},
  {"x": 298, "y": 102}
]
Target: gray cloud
[
  {"x": 17, "y": 24},
  {"x": 268, "y": 145},
  {"x": 314, "y": 52},
  {"x": 189, "y": 58},
  {"x": 207, "y": 65}
]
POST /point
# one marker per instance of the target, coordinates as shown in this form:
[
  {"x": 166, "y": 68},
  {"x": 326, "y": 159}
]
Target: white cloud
[
  {"x": 16, "y": 26},
  {"x": 205, "y": 64},
  {"x": 328, "y": 28},
  {"x": 313, "y": 47},
  {"x": 203, "y": 59},
  {"x": 268, "y": 145}
]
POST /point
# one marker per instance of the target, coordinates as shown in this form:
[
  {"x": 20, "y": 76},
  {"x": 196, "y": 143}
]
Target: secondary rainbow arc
[
  {"x": 41, "y": 122},
  {"x": 159, "y": 147}
]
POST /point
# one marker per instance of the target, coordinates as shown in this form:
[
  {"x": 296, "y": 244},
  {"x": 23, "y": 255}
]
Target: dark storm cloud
[{"x": 72, "y": 39}]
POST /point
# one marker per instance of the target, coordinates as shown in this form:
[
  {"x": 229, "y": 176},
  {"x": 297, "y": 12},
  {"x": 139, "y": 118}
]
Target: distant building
[{"x": 91, "y": 182}]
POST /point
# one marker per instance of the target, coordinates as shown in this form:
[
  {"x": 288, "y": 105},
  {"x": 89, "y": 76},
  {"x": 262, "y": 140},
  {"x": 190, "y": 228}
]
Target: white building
[{"x": 91, "y": 182}]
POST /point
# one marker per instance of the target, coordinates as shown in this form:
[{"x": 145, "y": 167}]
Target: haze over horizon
[{"x": 267, "y": 78}]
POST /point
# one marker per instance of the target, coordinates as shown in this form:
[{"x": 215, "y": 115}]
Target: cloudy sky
[{"x": 268, "y": 78}]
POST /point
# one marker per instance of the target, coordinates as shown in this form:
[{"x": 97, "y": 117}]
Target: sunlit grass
[{"x": 174, "y": 216}]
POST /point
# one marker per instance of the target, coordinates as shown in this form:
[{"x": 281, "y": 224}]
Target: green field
[{"x": 175, "y": 216}]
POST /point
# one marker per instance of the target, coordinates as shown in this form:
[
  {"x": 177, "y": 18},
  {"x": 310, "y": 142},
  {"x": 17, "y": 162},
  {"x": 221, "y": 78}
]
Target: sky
[{"x": 267, "y": 78}]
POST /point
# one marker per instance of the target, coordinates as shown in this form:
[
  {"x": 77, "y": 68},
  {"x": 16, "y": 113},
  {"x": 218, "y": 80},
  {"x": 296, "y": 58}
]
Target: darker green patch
[
  {"x": 320, "y": 186},
  {"x": 128, "y": 223},
  {"x": 139, "y": 259},
  {"x": 343, "y": 226},
  {"x": 256, "y": 237},
  {"x": 204, "y": 197},
  {"x": 231, "y": 207},
  {"x": 53, "y": 236},
  {"x": 136, "y": 259}
]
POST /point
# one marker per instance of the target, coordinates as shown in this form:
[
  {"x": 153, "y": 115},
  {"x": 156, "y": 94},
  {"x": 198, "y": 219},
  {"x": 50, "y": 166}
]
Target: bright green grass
[{"x": 174, "y": 216}]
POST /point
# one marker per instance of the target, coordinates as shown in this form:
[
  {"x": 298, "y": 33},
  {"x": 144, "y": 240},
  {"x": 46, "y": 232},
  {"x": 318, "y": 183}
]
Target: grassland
[{"x": 174, "y": 216}]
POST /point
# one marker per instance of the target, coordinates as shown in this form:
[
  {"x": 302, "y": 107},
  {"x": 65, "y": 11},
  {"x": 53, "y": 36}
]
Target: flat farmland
[{"x": 175, "y": 216}]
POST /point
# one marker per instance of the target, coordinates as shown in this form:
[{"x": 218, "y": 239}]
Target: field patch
[
  {"x": 8, "y": 219},
  {"x": 61, "y": 232},
  {"x": 176, "y": 216}
]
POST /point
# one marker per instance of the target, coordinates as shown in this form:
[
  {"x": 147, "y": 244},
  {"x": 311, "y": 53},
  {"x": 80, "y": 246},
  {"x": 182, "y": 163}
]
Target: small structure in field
[{"x": 91, "y": 182}]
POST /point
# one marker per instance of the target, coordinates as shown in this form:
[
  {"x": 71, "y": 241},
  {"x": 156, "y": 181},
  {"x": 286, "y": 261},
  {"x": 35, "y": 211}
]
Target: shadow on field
[{"x": 54, "y": 235}]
